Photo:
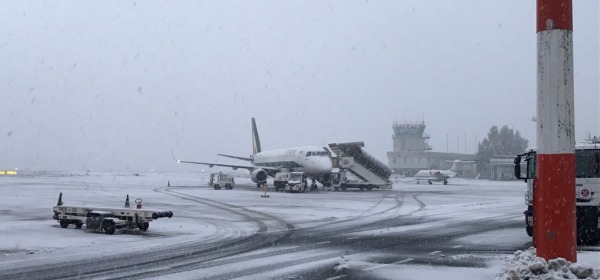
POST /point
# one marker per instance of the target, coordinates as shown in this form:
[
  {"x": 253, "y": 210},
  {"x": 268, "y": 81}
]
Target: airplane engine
[
  {"x": 325, "y": 180},
  {"x": 259, "y": 176}
]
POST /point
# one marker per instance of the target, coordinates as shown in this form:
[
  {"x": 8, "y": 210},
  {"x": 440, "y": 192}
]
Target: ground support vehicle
[
  {"x": 296, "y": 183},
  {"x": 587, "y": 190},
  {"x": 107, "y": 219},
  {"x": 340, "y": 181},
  {"x": 355, "y": 168},
  {"x": 280, "y": 180},
  {"x": 104, "y": 221},
  {"x": 221, "y": 180}
]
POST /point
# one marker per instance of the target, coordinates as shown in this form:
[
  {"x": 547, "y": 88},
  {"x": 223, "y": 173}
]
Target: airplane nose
[{"x": 326, "y": 164}]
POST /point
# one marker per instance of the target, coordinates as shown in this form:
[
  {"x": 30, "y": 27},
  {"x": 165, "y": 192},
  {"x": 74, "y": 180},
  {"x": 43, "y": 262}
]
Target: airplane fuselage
[
  {"x": 434, "y": 175},
  {"x": 314, "y": 161}
]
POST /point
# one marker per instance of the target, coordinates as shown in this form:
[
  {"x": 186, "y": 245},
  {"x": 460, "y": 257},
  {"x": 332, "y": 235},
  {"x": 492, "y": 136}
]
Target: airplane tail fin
[
  {"x": 454, "y": 165},
  {"x": 255, "y": 140}
]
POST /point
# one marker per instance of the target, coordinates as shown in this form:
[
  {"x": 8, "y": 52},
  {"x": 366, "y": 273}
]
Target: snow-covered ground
[{"x": 29, "y": 235}]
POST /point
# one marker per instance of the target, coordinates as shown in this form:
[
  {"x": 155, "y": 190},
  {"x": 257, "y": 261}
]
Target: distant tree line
[{"x": 499, "y": 142}]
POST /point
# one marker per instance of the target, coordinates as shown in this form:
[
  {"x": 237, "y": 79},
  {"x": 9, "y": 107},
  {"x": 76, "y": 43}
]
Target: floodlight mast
[{"x": 554, "y": 189}]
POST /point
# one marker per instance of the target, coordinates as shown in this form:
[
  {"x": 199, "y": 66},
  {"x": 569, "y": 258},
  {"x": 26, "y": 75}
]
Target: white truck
[
  {"x": 221, "y": 180},
  {"x": 281, "y": 180},
  {"x": 587, "y": 190},
  {"x": 296, "y": 183},
  {"x": 340, "y": 181},
  {"x": 106, "y": 219}
]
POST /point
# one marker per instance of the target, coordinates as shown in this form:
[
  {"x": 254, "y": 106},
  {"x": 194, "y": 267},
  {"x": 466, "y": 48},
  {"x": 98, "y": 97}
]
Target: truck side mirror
[{"x": 518, "y": 167}]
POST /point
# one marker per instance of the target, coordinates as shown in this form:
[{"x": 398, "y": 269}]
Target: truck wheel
[
  {"x": 64, "y": 223},
  {"x": 109, "y": 228},
  {"x": 144, "y": 226},
  {"x": 217, "y": 187},
  {"x": 445, "y": 182},
  {"x": 78, "y": 225},
  {"x": 313, "y": 187},
  {"x": 343, "y": 187},
  {"x": 369, "y": 188},
  {"x": 529, "y": 231},
  {"x": 228, "y": 187},
  {"x": 430, "y": 182}
]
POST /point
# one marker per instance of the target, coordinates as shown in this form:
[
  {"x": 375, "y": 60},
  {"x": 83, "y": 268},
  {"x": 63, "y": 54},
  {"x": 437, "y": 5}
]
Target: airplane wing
[
  {"x": 233, "y": 166},
  {"x": 210, "y": 164},
  {"x": 432, "y": 178},
  {"x": 236, "y": 157}
]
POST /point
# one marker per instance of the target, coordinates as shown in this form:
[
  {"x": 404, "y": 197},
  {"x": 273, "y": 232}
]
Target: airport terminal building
[{"x": 412, "y": 153}]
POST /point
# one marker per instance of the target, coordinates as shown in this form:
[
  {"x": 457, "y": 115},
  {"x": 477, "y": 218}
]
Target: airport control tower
[
  {"x": 410, "y": 137},
  {"x": 412, "y": 153}
]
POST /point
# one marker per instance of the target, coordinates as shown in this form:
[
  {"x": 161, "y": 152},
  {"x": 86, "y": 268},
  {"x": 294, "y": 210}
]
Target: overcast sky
[{"x": 116, "y": 85}]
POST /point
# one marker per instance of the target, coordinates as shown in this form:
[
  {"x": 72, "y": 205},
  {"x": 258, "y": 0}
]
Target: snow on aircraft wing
[
  {"x": 233, "y": 166},
  {"x": 236, "y": 157}
]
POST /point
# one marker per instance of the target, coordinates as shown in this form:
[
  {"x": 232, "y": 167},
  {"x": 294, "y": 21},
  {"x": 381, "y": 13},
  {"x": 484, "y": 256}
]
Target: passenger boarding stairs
[{"x": 351, "y": 157}]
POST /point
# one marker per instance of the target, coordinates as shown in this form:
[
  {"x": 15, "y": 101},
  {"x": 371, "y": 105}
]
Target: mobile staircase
[{"x": 370, "y": 172}]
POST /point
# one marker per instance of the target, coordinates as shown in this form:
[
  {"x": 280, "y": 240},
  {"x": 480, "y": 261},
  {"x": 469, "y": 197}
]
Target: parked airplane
[
  {"x": 438, "y": 175},
  {"x": 314, "y": 161}
]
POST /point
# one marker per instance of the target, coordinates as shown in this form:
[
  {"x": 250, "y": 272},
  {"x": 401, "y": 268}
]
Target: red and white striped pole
[{"x": 554, "y": 194}]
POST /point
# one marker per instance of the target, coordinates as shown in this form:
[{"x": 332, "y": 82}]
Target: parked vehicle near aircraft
[
  {"x": 281, "y": 180},
  {"x": 296, "y": 183},
  {"x": 221, "y": 180}
]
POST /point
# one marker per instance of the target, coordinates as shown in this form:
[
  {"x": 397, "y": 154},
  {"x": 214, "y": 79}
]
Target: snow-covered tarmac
[{"x": 468, "y": 229}]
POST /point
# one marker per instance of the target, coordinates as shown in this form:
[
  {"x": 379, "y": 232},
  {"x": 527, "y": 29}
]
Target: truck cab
[
  {"x": 296, "y": 183},
  {"x": 221, "y": 180},
  {"x": 280, "y": 180},
  {"x": 587, "y": 189},
  {"x": 338, "y": 180}
]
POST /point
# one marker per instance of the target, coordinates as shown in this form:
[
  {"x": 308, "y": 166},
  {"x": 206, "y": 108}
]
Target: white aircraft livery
[
  {"x": 314, "y": 161},
  {"x": 434, "y": 175}
]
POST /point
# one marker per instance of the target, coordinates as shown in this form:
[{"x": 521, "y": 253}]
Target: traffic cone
[{"x": 127, "y": 202}]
